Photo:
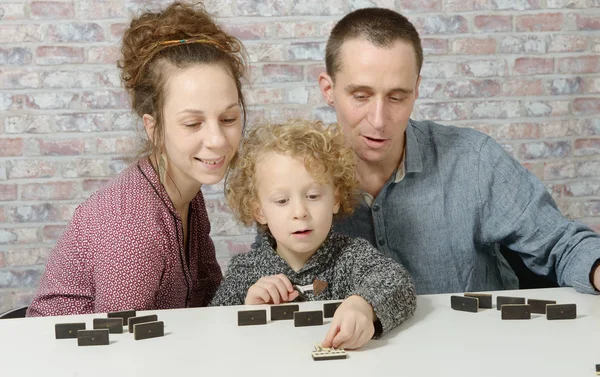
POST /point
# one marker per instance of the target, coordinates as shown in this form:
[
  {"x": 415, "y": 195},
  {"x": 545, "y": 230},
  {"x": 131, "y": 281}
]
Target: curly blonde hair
[
  {"x": 150, "y": 56},
  {"x": 323, "y": 149}
]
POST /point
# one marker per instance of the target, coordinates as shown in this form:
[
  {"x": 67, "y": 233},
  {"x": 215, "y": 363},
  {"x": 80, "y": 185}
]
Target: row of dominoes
[
  {"x": 288, "y": 312},
  {"x": 513, "y": 307},
  {"x": 142, "y": 327}
]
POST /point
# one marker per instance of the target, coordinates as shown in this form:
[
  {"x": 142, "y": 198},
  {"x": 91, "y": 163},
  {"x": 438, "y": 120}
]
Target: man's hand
[
  {"x": 271, "y": 290},
  {"x": 352, "y": 326}
]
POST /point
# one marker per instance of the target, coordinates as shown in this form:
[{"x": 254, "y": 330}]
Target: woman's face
[{"x": 202, "y": 124}]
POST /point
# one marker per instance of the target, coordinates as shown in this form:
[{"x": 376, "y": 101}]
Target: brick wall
[{"x": 526, "y": 72}]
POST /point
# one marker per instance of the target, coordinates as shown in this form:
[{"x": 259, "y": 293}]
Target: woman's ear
[{"x": 149, "y": 125}]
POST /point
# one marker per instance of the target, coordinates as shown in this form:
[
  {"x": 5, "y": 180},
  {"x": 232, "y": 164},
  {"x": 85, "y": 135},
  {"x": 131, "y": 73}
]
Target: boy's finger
[
  {"x": 288, "y": 284},
  {"x": 293, "y": 295}
]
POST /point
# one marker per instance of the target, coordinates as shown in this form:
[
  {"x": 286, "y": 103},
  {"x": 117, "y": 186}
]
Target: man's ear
[
  {"x": 258, "y": 214},
  {"x": 149, "y": 125},
  {"x": 326, "y": 85},
  {"x": 417, "y": 87}
]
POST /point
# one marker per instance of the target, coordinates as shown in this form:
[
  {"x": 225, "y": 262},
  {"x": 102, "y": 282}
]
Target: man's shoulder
[{"x": 444, "y": 136}]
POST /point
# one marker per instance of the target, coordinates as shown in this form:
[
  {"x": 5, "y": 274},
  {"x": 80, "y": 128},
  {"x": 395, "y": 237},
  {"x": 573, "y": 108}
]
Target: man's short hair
[{"x": 382, "y": 27}]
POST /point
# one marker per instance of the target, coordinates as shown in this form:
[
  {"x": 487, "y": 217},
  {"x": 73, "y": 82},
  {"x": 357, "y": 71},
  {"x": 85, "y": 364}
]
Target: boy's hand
[
  {"x": 271, "y": 290},
  {"x": 352, "y": 326}
]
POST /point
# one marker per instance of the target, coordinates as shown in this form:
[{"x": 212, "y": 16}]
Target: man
[{"x": 441, "y": 200}]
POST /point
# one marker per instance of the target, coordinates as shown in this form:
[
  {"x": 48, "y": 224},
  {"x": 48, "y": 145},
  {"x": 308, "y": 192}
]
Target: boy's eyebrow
[{"x": 357, "y": 88}]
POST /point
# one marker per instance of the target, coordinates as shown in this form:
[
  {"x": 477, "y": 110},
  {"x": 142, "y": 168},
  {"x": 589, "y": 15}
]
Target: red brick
[
  {"x": 540, "y": 22},
  {"x": 50, "y": 100},
  {"x": 103, "y": 55},
  {"x": 589, "y": 168},
  {"x": 569, "y": 4},
  {"x": 27, "y": 257},
  {"x": 50, "y": 191},
  {"x": 533, "y": 66},
  {"x": 81, "y": 122},
  {"x": 35, "y": 213},
  {"x": 582, "y": 188},
  {"x": 118, "y": 144},
  {"x": 90, "y": 186},
  {"x": 12, "y": 11},
  {"x": 592, "y": 85},
  {"x": 105, "y": 99},
  {"x": 522, "y": 87},
  {"x": 279, "y": 73},
  {"x": 451, "y": 25},
  {"x": 433, "y": 46},
  {"x": 496, "y": 109},
  {"x": 117, "y": 31},
  {"x": 473, "y": 46},
  {"x": 442, "y": 111},
  {"x": 294, "y": 29},
  {"x": 580, "y": 64},
  {"x": 53, "y": 55},
  {"x": 11, "y": 236},
  {"x": 105, "y": 9},
  {"x": 15, "y": 56},
  {"x": 560, "y": 128},
  {"x": 51, "y": 233},
  {"x": 517, "y": 131},
  {"x": 263, "y": 8},
  {"x": 12, "y": 34},
  {"x": 472, "y": 88},
  {"x": 421, "y": 5},
  {"x": 517, "y": 44},
  {"x": 328, "y": 8},
  {"x": 32, "y": 169},
  {"x": 8, "y": 192},
  {"x": 558, "y": 170},
  {"x": 86, "y": 168},
  {"x": 71, "y": 147},
  {"x": 489, "y": 24},
  {"x": 507, "y": 4},
  {"x": 52, "y": 10},
  {"x": 108, "y": 79},
  {"x": 313, "y": 72},
  {"x": 484, "y": 68},
  {"x": 591, "y": 208},
  {"x": 2, "y": 260},
  {"x": 74, "y": 32},
  {"x": 591, "y": 22},
  {"x": 247, "y": 31},
  {"x": 59, "y": 79},
  {"x": 586, "y": 106},
  {"x": 307, "y": 51},
  {"x": 19, "y": 79},
  {"x": 586, "y": 147},
  {"x": 590, "y": 126},
  {"x": 565, "y": 86},
  {"x": 567, "y": 43},
  {"x": 11, "y": 147},
  {"x": 427, "y": 89},
  {"x": 546, "y": 108},
  {"x": 456, "y": 5},
  {"x": 536, "y": 150}
]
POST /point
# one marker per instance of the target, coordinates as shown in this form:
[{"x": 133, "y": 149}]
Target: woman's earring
[{"x": 162, "y": 168}]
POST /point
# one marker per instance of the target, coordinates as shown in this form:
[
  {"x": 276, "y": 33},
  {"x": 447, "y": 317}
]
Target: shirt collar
[{"x": 413, "y": 161}]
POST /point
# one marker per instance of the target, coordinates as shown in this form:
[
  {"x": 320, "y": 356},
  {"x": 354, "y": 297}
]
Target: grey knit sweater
[{"x": 350, "y": 266}]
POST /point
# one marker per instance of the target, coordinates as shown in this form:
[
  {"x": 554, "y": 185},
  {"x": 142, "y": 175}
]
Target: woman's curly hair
[
  {"x": 150, "y": 55},
  {"x": 323, "y": 148}
]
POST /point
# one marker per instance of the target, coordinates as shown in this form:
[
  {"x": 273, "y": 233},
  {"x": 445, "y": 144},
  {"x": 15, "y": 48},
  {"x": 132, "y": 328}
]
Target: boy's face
[{"x": 297, "y": 209}]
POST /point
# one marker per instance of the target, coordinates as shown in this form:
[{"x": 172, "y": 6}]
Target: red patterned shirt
[{"x": 124, "y": 250}]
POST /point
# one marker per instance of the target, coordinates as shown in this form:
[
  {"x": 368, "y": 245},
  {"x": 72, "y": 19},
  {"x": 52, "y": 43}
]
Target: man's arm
[{"x": 518, "y": 212}]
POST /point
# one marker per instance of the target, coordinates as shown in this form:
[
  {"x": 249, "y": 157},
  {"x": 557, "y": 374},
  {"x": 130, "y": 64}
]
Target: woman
[{"x": 142, "y": 241}]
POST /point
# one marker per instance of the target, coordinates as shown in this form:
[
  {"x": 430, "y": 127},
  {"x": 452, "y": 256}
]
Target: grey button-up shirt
[{"x": 461, "y": 197}]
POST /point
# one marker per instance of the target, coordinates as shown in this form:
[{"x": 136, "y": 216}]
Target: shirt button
[
  {"x": 381, "y": 242},
  {"x": 376, "y": 207}
]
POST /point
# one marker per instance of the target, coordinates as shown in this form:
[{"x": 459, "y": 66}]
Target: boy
[{"x": 291, "y": 180}]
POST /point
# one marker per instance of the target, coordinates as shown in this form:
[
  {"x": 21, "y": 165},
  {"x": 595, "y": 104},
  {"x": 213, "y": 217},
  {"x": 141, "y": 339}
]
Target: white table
[{"x": 437, "y": 341}]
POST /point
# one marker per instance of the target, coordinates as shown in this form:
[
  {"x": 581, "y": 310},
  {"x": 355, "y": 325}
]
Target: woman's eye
[
  {"x": 229, "y": 120},
  {"x": 192, "y": 125}
]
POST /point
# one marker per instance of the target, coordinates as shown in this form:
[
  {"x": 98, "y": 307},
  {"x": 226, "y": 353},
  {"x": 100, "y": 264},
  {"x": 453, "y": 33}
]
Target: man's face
[{"x": 373, "y": 95}]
